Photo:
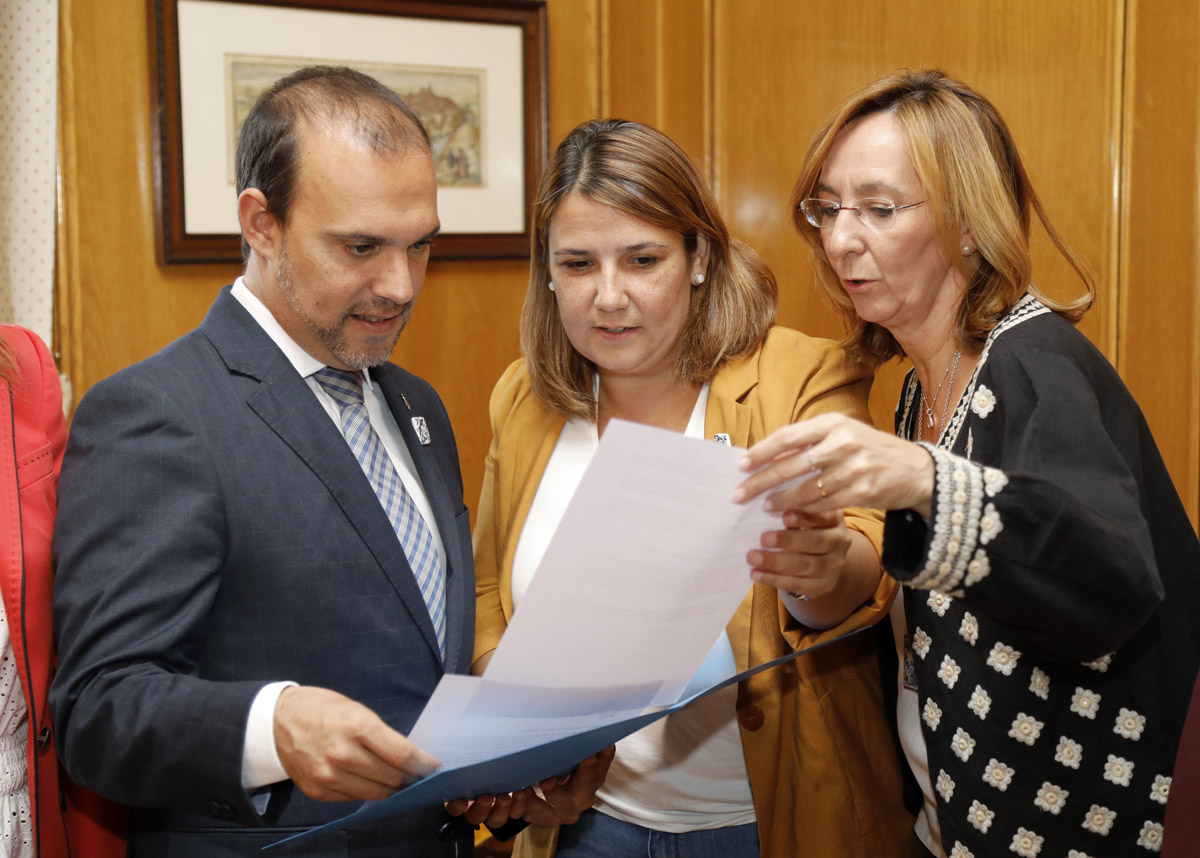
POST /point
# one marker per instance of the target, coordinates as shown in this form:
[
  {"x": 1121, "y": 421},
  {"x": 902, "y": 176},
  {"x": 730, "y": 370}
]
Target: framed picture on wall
[{"x": 473, "y": 70}]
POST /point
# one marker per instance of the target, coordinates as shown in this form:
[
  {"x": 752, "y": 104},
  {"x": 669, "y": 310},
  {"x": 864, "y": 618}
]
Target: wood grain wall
[
  {"x": 1102, "y": 96},
  {"x": 1158, "y": 348}
]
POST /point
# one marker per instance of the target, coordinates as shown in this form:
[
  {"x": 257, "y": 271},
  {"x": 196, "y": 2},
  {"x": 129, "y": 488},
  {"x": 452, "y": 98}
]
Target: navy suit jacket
[{"x": 216, "y": 533}]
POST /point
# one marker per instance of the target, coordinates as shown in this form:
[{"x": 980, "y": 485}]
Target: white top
[
  {"x": 685, "y": 772},
  {"x": 908, "y": 717},
  {"x": 260, "y": 761},
  {"x": 16, "y": 827}
]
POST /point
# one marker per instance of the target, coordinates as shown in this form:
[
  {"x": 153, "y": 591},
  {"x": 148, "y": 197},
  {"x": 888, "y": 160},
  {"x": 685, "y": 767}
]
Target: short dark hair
[
  {"x": 643, "y": 173},
  {"x": 267, "y": 155}
]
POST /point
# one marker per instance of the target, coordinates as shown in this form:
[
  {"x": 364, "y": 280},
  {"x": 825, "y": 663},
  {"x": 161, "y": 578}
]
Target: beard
[{"x": 333, "y": 337}]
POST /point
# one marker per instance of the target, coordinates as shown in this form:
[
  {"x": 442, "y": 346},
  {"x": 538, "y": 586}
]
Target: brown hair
[
  {"x": 641, "y": 172},
  {"x": 268, "y": 156},
  {"x": 8, "y": 361},
  {"x": 973, "y": 177}
]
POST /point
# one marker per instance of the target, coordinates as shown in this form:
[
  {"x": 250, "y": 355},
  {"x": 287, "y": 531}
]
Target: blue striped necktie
[{"x": 411, "y": 529}]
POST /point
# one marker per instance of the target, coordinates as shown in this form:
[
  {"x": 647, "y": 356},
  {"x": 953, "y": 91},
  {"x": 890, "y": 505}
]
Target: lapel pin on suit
[
  {"x": 422, "y": 430},
  {"x": 721, "y": 438}
]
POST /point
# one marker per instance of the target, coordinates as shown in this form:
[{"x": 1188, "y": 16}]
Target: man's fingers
[
  {"x": 336, "y": 749},
  {"x": 400, "y": 754},
  {"x": 345, "y": 787}
]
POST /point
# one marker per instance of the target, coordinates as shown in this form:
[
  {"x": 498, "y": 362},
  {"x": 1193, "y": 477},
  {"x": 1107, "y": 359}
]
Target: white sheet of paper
[
  {"x": 645, "y": 569},
  {"x": 457, "y": 728},
  {"x": 470, "y": 719}
]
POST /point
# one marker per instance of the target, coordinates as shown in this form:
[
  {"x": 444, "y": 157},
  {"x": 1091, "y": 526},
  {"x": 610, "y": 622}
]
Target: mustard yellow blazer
[{"x": 823, "y": 768}]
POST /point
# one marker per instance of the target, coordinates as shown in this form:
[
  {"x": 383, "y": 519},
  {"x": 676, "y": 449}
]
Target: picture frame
[{"x": 474, "y": 70}]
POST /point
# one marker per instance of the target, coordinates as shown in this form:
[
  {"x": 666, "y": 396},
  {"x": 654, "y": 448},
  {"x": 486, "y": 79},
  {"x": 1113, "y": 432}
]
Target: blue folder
[{"x": 516, "y": 771}]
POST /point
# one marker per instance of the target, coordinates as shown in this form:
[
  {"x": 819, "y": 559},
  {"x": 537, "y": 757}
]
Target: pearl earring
[
  {"x": 551, "y": 285},
  {"x": 697, "y": 278},
  {"x": 967, "y": 250}
]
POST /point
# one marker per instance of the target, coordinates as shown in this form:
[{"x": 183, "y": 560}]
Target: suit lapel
[
  {"x": 726, "y": 414},
  {"x": 429, "y": 452},
  {"x": 287, "y": 405},
  {"x": 518, "y": 485}
]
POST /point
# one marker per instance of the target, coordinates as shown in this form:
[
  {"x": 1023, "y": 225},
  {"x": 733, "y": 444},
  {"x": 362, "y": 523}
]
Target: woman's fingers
[
  {"x": 789, "y": 453},
  {"x": 776, "y": 475},
  {"x": 795, "y": 519},
  {"x": 807, "y": 557},
  {"x": 789, "y": 439},
  {"x": 833, "y": 461}
]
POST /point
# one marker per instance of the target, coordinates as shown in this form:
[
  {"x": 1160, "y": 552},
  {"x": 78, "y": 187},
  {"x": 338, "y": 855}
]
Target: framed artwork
[{"x": 473, "y": 70}]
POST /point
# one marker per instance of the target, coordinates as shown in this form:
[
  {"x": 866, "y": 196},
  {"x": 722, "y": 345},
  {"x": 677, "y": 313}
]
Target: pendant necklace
[{"x": 951, "y": 371}]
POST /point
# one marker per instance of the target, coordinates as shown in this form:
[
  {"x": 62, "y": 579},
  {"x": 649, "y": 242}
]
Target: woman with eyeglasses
[
  {"x": 1047, "y": 632},
  {"x": 642, "y": 307}
]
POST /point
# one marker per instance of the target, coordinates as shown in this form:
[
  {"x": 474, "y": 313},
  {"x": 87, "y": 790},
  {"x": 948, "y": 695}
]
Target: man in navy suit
[{"x": 242, "y": 637}]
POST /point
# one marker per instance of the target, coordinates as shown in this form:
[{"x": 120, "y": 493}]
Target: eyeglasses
[{"x": 877, "y": 214}]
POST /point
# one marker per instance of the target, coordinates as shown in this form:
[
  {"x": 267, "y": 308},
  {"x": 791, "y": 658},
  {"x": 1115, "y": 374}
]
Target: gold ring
[{"x": 821, "y": 488}]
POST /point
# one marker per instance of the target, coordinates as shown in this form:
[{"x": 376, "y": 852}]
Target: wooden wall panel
[
  {"x": 656, "y": 68},
  {"x": 1160, "y": 253},
  {"x": 741, "y": 85},
  {"x": 1052, "y": 69},
  {"x": 116, "y": 304}
]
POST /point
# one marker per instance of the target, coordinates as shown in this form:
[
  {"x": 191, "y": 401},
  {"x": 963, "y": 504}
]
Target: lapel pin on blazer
[
  {"x": 404, "y": 399},
  {"x": 721, "y": 438},
  {"x": 422, "y": 431}
]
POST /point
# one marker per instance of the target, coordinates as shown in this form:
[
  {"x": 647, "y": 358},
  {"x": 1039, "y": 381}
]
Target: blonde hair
[
  {"x": 641, "y": 172},
  {"x": 973, "y": 177},
  {"x": 8, "y": 361}
]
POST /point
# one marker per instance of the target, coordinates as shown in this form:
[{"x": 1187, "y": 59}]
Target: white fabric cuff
[{"x": 260, "y": 759}]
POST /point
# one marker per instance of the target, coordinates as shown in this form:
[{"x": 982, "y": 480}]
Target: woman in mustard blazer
[
  {"x": 34, "y": 432},
  {"x": 642, "y": 307}
]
